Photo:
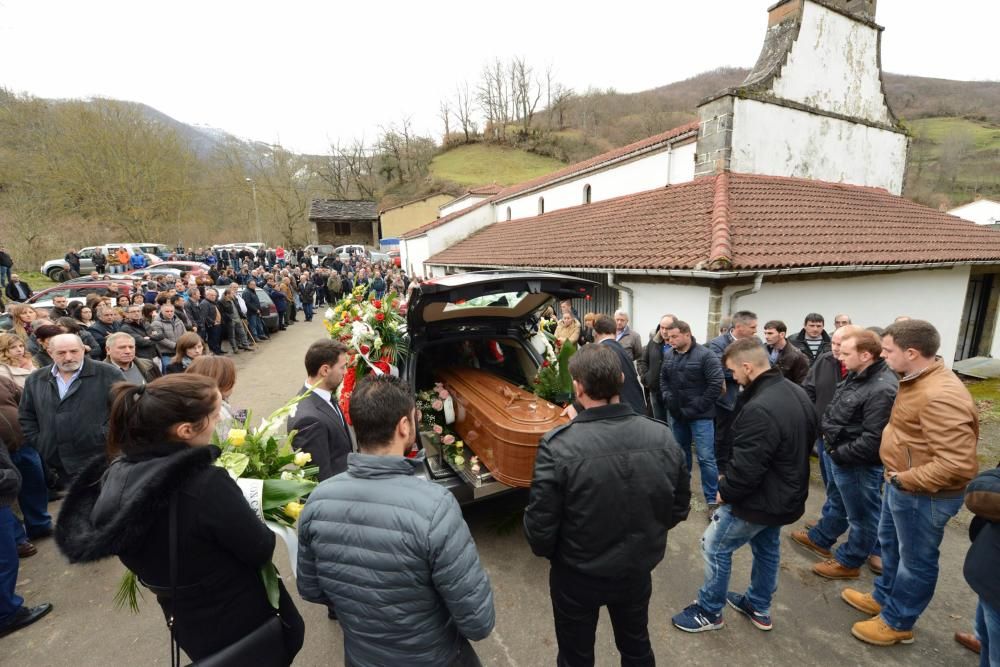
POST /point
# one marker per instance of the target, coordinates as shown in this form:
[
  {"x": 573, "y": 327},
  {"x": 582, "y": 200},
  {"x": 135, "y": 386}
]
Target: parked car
[
  {"x": 78, "y": 290},
  {"x": 268, "y": 311},
  {"x": 499, "y": 308},
  {"x": 377, "y": 257},
  {"x": 394, "y": 257},
  {"x": 172, "y": 266},
  {"x": 58, "y": 269}
]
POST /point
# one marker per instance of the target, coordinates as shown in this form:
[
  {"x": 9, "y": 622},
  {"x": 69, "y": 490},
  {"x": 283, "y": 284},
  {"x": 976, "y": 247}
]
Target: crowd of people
[{"x": 894, "y": 429}]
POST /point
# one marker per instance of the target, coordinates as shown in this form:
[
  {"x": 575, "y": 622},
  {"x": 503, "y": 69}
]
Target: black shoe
[
  {"x": 40, "y": 533},
  {"x": 24, "y": 617},
  {"x": 331, "y": 614},
  {"x": 263, "y": 337}
]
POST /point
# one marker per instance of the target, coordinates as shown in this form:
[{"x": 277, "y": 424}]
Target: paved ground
[{"x": 812, "y": 624}]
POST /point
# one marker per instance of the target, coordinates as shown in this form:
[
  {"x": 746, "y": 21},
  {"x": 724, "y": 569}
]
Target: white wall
[
  {"x": 982, "y": 212},
  {"x": 463, "y": 202},
  {"x": 652, "y": 301},
  {"x": 412, "y": 255},
  {"x": 780, "y": 141},
  {"x": 875, "y": 300},
  {"x": 833, "y": 66},
  {"x": 646, "y": 173}
]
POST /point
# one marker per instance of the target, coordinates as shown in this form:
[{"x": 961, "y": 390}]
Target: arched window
[
  {"x": 586, "y": 193},
  {"x": 541, "y": 205},
  {"x": 508, "y": 212}
]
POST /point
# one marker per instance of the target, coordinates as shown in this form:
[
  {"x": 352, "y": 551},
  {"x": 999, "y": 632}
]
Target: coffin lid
[{"x": 490, "y": 295}]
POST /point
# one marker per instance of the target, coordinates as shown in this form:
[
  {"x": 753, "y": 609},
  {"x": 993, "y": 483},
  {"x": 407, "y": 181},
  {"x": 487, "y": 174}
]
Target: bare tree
[
  {"x": 525, "y": 92},
  {"x": 444, "y": 113}
]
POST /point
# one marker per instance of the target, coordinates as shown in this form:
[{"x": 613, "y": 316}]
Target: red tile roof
[
  {"x": 490, "y": 189},
  {"x": 755, "y": 222},
  {"x": 642, "y": 144}
]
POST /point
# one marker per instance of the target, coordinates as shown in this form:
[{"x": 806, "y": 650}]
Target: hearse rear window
[{"x": 502, "y": 300}]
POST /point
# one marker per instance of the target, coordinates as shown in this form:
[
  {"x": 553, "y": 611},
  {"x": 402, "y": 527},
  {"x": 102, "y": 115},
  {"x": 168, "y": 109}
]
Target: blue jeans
[
  {"x": 910, "y": 533},
  {"x": 34, "y": 496},
  {"x": 256, "y": 326},
  {"x": 10, "y": 601},
  {"x": 853, "y": 500},
  {"x": 4, "y": 275},
  {"x": 724, "y": 535},
  {"x": 702, "y": 432},
  {"x": 988, "y": 631},
  {"x": 308, "y": 308},
  {"x": 823, "y": 460}
]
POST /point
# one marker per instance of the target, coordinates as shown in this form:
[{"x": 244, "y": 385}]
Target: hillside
[{"x": 479, "y": 164}]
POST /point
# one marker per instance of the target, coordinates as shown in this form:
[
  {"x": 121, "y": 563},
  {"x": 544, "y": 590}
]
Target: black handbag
[{"x": 264, "y": 647}]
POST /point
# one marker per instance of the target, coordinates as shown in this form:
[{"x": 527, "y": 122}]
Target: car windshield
[{"x": 502, "y": 300}]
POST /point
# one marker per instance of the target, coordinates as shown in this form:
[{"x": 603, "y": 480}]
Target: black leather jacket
[
  {"x": 607, "y": 487},
  {"x": 852, "y": 423}
]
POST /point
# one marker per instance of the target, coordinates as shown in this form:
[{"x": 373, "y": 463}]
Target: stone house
[{"x": 344, "y": 221}]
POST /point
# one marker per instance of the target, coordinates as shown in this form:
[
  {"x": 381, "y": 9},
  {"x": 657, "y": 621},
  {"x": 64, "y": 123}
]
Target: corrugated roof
[
  {"x": 755, "y": 222},
  {"x": 343, "y": 209}
]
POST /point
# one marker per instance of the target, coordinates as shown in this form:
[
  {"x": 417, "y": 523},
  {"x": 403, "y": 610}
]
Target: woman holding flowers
[{"x": 158, "y": 456}]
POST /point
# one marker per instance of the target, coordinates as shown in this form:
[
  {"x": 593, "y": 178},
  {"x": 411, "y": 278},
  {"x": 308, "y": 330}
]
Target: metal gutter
[
  {"x": 734, "y": 297},
  {"x": 728, "y": 275},
  {"x": 627, "y": 292}
]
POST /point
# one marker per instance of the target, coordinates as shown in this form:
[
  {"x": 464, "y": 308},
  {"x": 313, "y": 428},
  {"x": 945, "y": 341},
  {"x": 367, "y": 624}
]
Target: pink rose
[
  {"x": 437, "y": 405},
  {"x": 443, "y": 394},
  {"x": 448, "y": 440},
  {"x": 438, "y": 429}
]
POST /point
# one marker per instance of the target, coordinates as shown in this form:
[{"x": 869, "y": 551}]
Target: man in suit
[
  {"x": 322, "y": 429},
  {"x": 631, "y": 392}
]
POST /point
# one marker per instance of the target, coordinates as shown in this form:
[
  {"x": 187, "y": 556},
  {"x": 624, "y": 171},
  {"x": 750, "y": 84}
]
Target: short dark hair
[
  {"x": 47, "y": 331},
  {"x": 377, "y": 405},
  {"x": 323, "y": 352},
  {"x": 814, "y": 317},
  {"x": 744, "y": 317},
  {"x": 597, "y": 368},
  {"x": 746, "y": 349},
  {"x": 777, "y": 325},
  {"x": 918, "y": 335},
  {"x": 681, "y": 326},
  {"x": 604, "y": 325}
]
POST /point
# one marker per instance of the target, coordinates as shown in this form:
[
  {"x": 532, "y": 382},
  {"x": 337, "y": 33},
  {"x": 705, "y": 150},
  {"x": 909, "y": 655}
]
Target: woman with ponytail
[{"x": 158, "y": 455}]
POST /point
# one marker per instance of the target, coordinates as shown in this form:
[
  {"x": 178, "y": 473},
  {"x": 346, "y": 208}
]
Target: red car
[
  {"x": 77, "y": 290},
  {"x": 394, "y": 256}
]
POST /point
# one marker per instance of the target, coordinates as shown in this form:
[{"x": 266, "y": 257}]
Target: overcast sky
[{"x": 305, "y": 73}]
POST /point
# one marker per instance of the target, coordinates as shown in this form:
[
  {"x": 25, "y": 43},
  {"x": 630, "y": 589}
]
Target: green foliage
[
  {"x": 553, "y": 381},
  {"x": 269, "y": 575},
  {"x": 476, "y": 164},
  {"x": 128, "y": 592}
]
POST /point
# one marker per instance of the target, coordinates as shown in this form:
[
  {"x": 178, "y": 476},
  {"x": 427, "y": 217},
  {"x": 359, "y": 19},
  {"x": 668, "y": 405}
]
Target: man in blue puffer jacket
[{"x": 391, "y": 552}]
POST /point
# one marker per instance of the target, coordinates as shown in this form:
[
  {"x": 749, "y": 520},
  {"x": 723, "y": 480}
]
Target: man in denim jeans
[
  {"x": 852, "y": 427},
  {"x": 690, "y": 382},
  {"x": 764, "y": 487},
  {"x": 929, "y": 453}
]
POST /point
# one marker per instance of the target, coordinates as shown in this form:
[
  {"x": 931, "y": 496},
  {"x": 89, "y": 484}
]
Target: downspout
[
  {"x": 734, "y": 297},
  {"x": 626, "y": 294}
]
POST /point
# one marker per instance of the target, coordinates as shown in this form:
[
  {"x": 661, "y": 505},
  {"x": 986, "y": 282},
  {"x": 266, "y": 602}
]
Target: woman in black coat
[{"x": 158, "y": 447}]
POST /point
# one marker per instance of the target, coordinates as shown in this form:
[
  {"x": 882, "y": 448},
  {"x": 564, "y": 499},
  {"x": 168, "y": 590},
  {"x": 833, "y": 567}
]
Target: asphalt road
[{"x": 811, "y": 623}]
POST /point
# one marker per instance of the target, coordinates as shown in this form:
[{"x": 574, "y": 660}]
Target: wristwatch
[{"x": 894, "y": 480}]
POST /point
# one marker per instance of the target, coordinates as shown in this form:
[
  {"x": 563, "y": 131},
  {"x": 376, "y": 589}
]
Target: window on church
[
  {"x": 541, "y": 205},
  {"x": 586, "y": 193},
  {"x": 508, "y": 212}
]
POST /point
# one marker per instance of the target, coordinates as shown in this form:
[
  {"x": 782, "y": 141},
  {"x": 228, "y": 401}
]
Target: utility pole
[{"x": 256, "y": 211}]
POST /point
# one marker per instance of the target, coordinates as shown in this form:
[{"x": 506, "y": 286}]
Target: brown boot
[
  {"x": 831, "y": 569},
  {"x": 969, "y": 641},
  {"x": 875, "y": 564},
  {"x": 26, "y": 550},
  {"x": 863, "y": 602},
  {"x": 876, "y": 631},
  {"x": 801, "y": 537}
]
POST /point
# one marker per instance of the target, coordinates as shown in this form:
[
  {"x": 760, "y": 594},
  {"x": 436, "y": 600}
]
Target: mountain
[{"x": 203, "y": 140}]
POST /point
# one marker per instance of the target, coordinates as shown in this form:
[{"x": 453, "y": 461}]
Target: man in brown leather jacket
[{"x": 929, "y": 453}]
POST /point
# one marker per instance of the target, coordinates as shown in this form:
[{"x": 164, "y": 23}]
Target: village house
[
  {"x": 981, "y": 212},
  {"x": 399, "y": 219},
  {"x": 468, "y": 198},
  {"x": 784, "y": 198},
  {"x": 344, "y": 221}
]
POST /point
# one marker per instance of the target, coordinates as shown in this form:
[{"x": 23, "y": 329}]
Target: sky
[{"x": 305, "y": 74}]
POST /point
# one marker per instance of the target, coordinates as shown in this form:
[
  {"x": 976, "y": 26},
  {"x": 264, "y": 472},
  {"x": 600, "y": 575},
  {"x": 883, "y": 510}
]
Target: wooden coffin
[{"x": 499, "y": 422}]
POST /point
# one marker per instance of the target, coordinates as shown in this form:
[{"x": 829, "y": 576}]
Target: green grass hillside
[
  {"x": 952, "y": 160},
  {"x": 479, "y": 164}
]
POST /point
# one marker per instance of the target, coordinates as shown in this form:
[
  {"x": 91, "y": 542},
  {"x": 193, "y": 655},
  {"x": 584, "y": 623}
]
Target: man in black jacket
[
  {"x": 764, "y": 487},
  {"x": 982, "y": 497},
  {"x": 135, "y": 326},
  {"x": 821, "y": 382},
  {"x": 690, "y": 382},
  {"x": 102, "y": 328},
  {"x": 852, "y": 432},
  {"x": 322, "y": 429},
  {"x": 649, "y": 365},
  {"x": 17, "y": 289},
  {"x": 586, "y": 472},
  {"x": 631, "y": 392},
  {"x": 254, "y": 320},
  {"x": 812, "y": 341},
  {"x": 211, "y": 319}
]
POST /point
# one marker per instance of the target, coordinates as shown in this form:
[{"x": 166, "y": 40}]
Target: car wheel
[{"x": 57, "y": 274}]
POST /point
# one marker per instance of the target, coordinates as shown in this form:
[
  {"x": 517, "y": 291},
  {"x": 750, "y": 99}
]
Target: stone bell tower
[{"x": 813, "y": 106}]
